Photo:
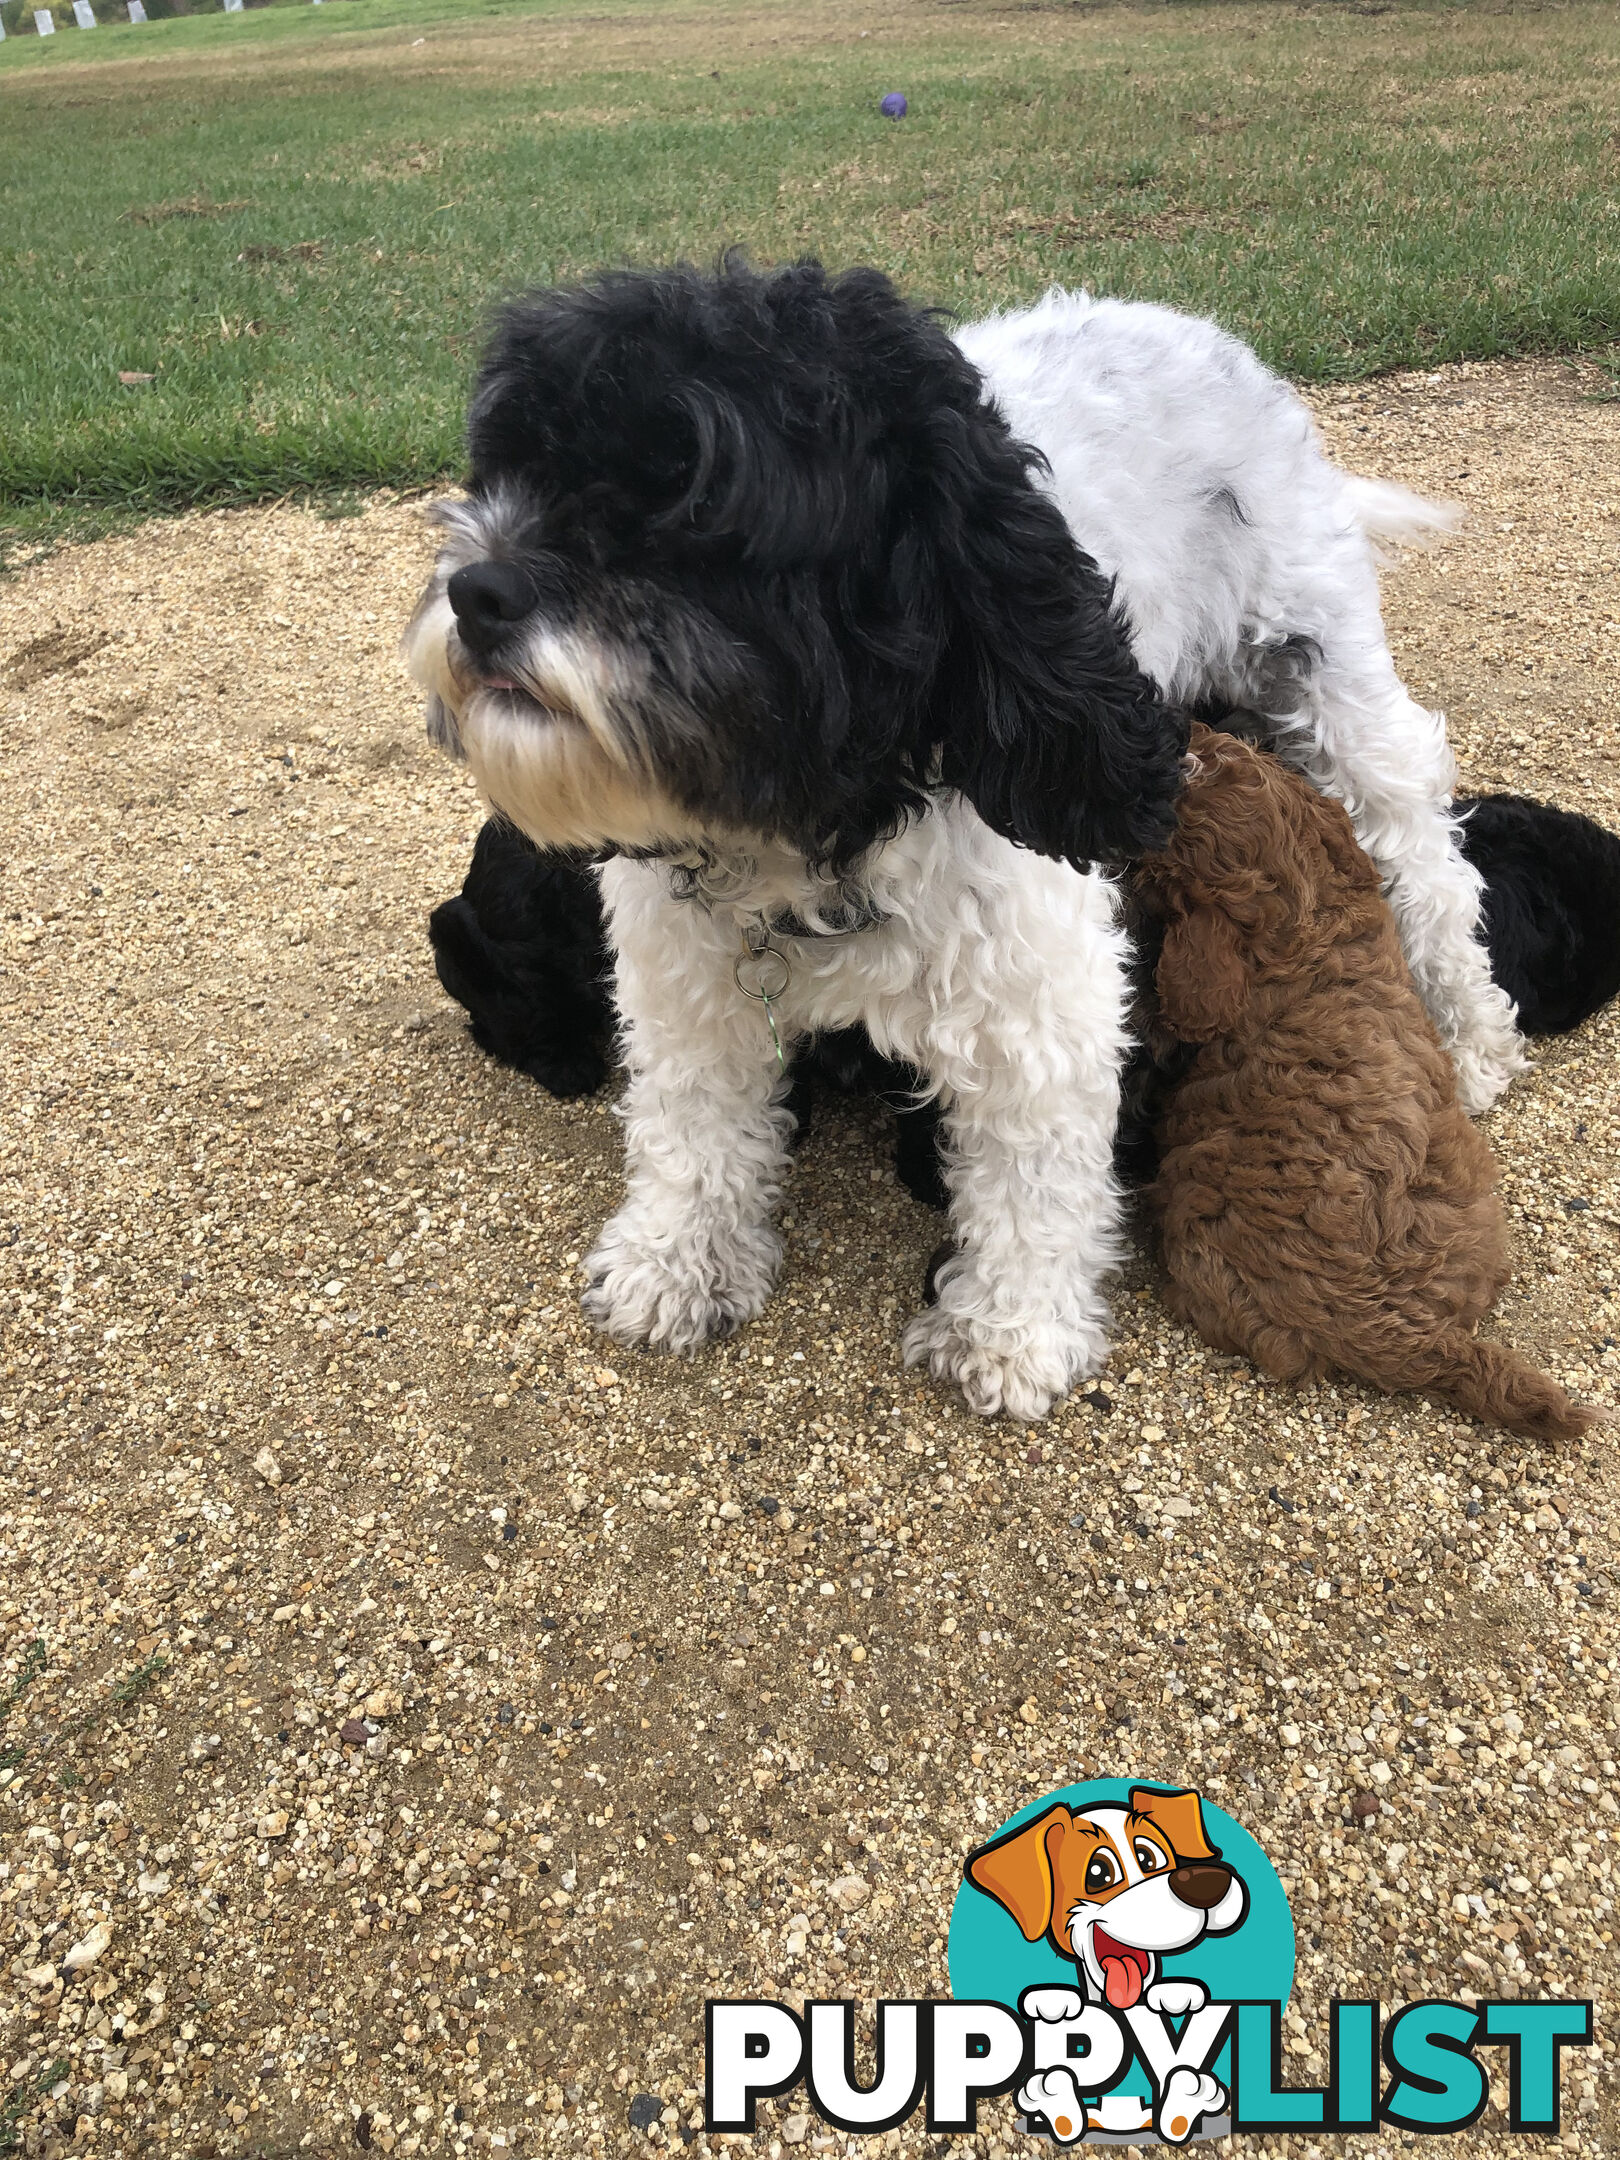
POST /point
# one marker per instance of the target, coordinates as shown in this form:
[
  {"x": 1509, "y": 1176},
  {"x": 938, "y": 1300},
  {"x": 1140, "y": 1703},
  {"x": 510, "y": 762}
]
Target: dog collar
[
  {"x": 704, "y": 880},
  {"x": 763, "y": 971},
  {"x": 847, "y": 920}
]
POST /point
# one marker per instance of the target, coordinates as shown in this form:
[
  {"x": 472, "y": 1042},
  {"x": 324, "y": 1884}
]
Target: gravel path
[{"x": 435, "y": 1705}]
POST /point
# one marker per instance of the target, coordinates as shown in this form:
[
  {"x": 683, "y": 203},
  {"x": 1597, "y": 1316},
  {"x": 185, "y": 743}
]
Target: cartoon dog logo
[{"x": 1116, "y": 1889}]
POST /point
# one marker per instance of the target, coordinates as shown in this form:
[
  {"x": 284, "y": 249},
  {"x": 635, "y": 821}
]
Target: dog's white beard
[
  {"x": 550, "y": 776},
  {"x": 552, "y": 756}
]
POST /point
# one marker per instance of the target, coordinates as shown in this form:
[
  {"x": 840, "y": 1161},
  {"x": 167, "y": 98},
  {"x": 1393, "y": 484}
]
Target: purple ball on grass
[{"x": 894, "y": 106}]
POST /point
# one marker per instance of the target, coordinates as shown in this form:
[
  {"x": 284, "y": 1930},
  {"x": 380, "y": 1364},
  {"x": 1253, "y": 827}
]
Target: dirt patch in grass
[{"x": 503, "y": 1694}]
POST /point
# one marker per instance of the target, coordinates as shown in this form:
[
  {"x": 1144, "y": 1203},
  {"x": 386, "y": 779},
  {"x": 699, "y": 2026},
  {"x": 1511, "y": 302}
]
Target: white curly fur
[
  {"x": 1196, "y": 478},
  {"x": 997, "y": 974}
]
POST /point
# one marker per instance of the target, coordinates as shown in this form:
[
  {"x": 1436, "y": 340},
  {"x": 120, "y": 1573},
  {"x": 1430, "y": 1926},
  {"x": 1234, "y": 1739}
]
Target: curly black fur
[
  {"x": 787, "y": 497},
  {"x": 524, "y": 948},
  {"x": 1552, "y": 907}
]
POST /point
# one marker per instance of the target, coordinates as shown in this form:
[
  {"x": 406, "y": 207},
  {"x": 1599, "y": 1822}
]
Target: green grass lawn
[{"x": 294, "y": 220}]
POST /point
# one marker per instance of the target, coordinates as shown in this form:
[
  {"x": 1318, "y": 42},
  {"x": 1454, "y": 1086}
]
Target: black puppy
[
  {"x": 1552, "y": 907},
  {"x": 522, "y": 947}
]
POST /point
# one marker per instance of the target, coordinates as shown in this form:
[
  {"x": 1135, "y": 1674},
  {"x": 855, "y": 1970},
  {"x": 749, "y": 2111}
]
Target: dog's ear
[
  {"x": 1180, "y": 1816},
  {"x": 1203, "y": 975},
  {"x": 1044, "y": 720},
  {"x": 1017, "y": 1870}
]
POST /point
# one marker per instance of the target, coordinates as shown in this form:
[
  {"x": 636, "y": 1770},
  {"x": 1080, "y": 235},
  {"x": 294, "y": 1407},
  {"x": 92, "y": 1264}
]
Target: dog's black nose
[
  {"x": 488, "y": 597},
  {"x": 1202, "y": 1884}
]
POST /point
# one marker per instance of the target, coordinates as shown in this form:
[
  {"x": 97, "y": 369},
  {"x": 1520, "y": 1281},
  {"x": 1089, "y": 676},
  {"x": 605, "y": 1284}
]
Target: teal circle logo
[{"x": 1101, "y": 1912}]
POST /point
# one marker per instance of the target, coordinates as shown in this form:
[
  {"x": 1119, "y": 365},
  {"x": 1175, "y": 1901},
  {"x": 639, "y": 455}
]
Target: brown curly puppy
[{"x": 1323, "y": 1201}]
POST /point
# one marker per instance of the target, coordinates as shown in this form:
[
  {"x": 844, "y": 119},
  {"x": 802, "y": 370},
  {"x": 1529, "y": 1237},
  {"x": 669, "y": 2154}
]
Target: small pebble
[{"x": 85, "y": 1952}]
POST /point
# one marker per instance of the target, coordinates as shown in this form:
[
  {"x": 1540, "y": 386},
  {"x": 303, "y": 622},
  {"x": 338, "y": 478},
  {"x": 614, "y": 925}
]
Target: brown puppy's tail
[{"x": 1489, "y": 1381}]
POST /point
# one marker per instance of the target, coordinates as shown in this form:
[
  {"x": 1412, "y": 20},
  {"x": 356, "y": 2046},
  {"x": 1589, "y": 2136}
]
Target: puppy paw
[
  {"x": 1051, "y": 2005},
  {"x": 677, "y": 1295},
  {"x": 567, "y": 1076},
  {"x": 1176, "y": 1998},
  {"x": 1188, "y": 2096},
  {"x": 1055, "y": 2098},
  {"x": 1018, "y": 1372}
]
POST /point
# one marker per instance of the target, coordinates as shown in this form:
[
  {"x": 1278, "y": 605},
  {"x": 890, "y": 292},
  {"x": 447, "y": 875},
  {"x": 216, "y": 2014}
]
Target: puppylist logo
[{"x": 1121, "y": 1956}]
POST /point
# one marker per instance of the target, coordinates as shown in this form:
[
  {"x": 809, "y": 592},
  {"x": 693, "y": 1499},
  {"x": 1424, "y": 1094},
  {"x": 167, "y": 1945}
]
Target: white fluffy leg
[
  {"x": 1387, "y": 760},
  {"x": 1031, "y": 1072},
  {"x": 1435, "y": 893},
  {"x": 691, "y": 1254},
  {"x": 1021, "y": 1314}
]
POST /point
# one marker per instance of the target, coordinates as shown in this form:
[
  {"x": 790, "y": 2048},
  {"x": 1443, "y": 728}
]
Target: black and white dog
[{"x": 759, "y": 585}]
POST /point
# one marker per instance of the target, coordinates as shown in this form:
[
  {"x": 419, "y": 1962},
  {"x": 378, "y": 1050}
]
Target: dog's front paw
[
  {"x": 1051, "y": 2005},
  {"x": 567, "y": 1074},
  {"x": 1055, "y": 2098},
  {"x": 681, "y": 1294},
  {"x": 1176, "y": 1998},
  {"x": 1188, "y": 2096},
  {"x": 1021, "y": 1372}
]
